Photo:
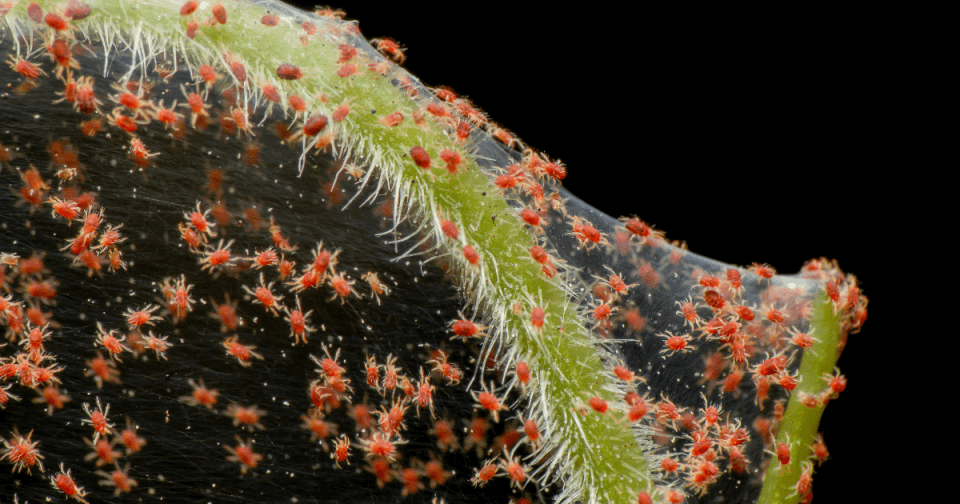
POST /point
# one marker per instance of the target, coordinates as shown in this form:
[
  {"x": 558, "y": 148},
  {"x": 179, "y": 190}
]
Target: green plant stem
[{"x": 800, "y": 422}]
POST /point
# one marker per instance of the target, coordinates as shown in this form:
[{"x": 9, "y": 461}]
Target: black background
[{"x": 753, "y": 136}]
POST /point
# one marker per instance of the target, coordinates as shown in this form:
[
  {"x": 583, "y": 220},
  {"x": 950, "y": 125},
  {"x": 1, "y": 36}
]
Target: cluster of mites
[
  {"x": 738, "y": 333},
  {"x": 716, "y": 313},
  {"x": 33, "y": 368},
  {"x": 134, "y": 109}
]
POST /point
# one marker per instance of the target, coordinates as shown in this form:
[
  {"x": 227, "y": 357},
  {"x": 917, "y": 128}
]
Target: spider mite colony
[{"x": 233, "y": 275}]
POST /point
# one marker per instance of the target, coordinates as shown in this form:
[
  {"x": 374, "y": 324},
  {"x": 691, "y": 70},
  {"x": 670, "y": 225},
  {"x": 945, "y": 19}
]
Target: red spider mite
[
  {"x": 131, "y": 439},
  {"x": 709, "y": 281},
  {"x": 126, "y": 123},
  {"x": 714, "y": 299},
  {"x": 314, "y": 125},
  {"x": 219, "y": 13},
  {"x": 270, "y": 20},
  {"x": 377, "y": 288},
  {"x": 309, "y": 27},
  {"x": 802, "y": 340},
  {"x": 836, "y": 381},
  {"x": 244, "y": 454},
  {"x": 25, "y": 68},
  {"x": 91, "y": 221},
  {"x": 110, "y": 342},
  {"x": 138, "y": 318},
  {"x": 390, "y": 373},
  {"x": 218, "y": 257},
  {"x": 243, "y": 353},
  {"x": 602, "y": 312},
  {"x": 102, "y": 370},
  {"x": 208, "y": 74},
  {"x": 298, "y": 104},
  {"x": 33, "y": 181},
  {"x": 342, "y": 288},
  {"x": 783, "y": 453},
  {"x": 424, "y": 394},
  {"x": 420, "y": 157},
  {"x": 158, "y": 344},
  {"x": 199, "y": 221},
  {"x": 188, "y": 7},
  {"x": 341, "y": 450},
  {"x": 265, "y": 297},
  {"x": 248, "y": 417},
  {"x": 437, "y": 110},
  {"x": 372, "y": 372},
  {"x": 445, "y": 93},
  {"x": 733, "y": 277},
  {"x": 450, "y": 229},
  {"x": 485, "y": 474},
  {"x": 675, "y": 343},
  {"x": 744, "y": 312},
  {"x": 819, "y": 448},
  {"x": 638, "y": 409},
  {"x": 379, "y": 445},
  {"x": 464, "y": 328},
  {"x": 76, "y": 10},
  {"x": 530, "y": 217},
  {"x": 347, "y": 53},
  {"x": 5, "y": 396},
  {"x": 463, "y": 131},
  {"x": 505, "y": 181},
  {"x": 523, "y": 373},
  {"x": 389, "y": 47},
  {"x": 166, "y": 116},
  {"x": 392, "y": 119},
  {"x": 120, "y": 479},
  {"x": 411, "y": 481},
  {"x": 668, "y": 465},
  {"x": 438, "y": 476},
  {"x": 266, "y": 258},
  {"x": 537, "y": 316},
  {"x": 192, "y": 28},
  {"x": 346, "y": 70},
  {"x": 328, "y": 13},
  {"x": 98, "y": 420},
  {"x": 516, "y": 471},
  {"x": 299, "y": 327},
  {"x": 341, "y": 113},
  {"x": 56, "y": 22},
  {"x": 201, "y": 395},
  {"x": 539, "y": 254},
  {"x": 489, "y": 401},
  {"x": 470, "y": 254},
  {"x": 35, "y": 13},
  {"x": 625, "y": 374},
  {"x": 776, "y": 316},
  {"x": 271, "y": 93},
  {"x": 289, "y": 71},
  {"x": 328, "y": 365},
  {"x": 452, "y": 160},
  {"x": 190, "y": 236},
  {"x": 65, "y": 483},
  {"x": 449, "y": 371},
  {"x": 598, "y": 405},
  {"x": 66, "y": 209},
  {"x": 22, "y": 452},
  {"x": 764, "y": 271}
]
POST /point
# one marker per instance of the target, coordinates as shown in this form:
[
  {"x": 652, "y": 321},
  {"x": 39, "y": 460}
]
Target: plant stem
[{"x": 800, "y": 422}]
